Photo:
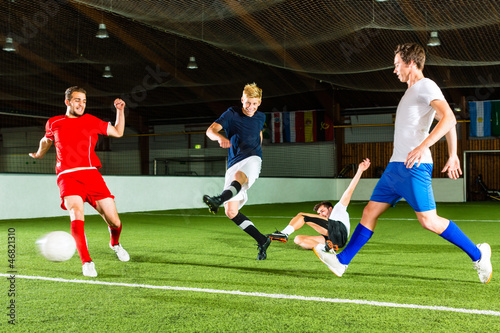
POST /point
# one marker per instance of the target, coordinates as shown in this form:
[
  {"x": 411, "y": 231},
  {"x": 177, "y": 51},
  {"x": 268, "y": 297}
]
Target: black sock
[
  {"x": 233, "y": 189},
  {"x": 247, "y": 226}
]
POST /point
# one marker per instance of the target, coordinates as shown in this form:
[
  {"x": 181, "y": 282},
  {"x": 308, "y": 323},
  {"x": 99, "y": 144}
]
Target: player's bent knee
[
  {"x": 432, "y": 222},
  {"x": 240, "y": 177},
  {"x": 434, "y": 225},
  {"x": 367, "y": 211},
  {"x": 298, "y": 239},
  {"x": 371, "y": 212},
  {"x": 115, "y": 224},
  {"x": 429, "y": 227},
  {"x": 231, "y": 213},
  {"x": 76, "y": 213}
]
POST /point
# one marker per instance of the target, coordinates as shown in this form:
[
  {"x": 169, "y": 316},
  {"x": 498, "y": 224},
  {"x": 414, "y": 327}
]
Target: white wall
[
  {"x": 28, "y": 196},
  {"x": 370, "y": 133}
]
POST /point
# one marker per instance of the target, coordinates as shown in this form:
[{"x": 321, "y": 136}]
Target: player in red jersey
[{"x": 75, "y": 135}]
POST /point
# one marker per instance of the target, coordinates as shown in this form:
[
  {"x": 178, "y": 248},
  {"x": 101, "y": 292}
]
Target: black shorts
[{"x": 337, "y": 232}]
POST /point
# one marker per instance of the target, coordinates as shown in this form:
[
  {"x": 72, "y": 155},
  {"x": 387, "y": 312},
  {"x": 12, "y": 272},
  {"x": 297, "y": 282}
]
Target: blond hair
[{"x": 252, "y": 91}]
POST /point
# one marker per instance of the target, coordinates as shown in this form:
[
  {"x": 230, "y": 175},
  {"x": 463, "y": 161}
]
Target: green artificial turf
[{"x": 191, "y": 271}]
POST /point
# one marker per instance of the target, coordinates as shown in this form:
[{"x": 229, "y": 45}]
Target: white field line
[
  {"x": 265, "y": 295},
  {"x": 290, "y": 217}
]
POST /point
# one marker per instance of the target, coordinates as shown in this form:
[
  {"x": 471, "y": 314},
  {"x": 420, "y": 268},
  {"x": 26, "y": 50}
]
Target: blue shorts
[{"x": 414, "y": 185}]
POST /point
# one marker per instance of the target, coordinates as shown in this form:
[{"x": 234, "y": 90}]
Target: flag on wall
[
  {"x": 324, "y": 127},
  {"x": 277, "y": 127},
  {"x": 310, "y": 126},
  {"x": 495, "y": 118},
  {"x": 480, "y": 118},
  {"x": 301, "y": 126},
  {"x": 287, "y": 131},
  {"x": 267, "y": 131},
  {"x": 293, "y": 127}
]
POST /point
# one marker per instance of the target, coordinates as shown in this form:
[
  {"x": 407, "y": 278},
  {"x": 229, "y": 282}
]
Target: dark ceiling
[{"x": 304, "y": 54}]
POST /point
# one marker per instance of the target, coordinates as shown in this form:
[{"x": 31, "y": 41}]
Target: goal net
[{"x": 482, "y": 179}]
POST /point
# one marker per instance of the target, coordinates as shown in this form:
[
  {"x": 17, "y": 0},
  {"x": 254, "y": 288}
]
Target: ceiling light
[
  {"x": 102, "y": 32},
  {"x": 434, "y": 40},
  {"x": 9, "y": 44},
  {"x": 107, "y": 72},
  {"x": 192, "y": 63}
]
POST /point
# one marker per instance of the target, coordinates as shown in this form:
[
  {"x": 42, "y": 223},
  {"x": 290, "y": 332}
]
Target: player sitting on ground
[{"x": 331, "y": 222}]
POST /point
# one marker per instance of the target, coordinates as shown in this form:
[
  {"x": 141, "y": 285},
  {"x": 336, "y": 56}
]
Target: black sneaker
[
  {"x": 262, "y": 249},
  {"x": 278, "y": 236},
  {"x": 213, "y": 203}
]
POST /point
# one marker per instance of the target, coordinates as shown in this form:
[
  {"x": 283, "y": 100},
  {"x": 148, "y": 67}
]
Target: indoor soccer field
[{"x": 191, "y": 271}]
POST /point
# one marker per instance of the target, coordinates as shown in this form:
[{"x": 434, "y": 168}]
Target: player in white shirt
[
  {"x": 408, "y": 174},
  {"x": 331, "y": 222}
]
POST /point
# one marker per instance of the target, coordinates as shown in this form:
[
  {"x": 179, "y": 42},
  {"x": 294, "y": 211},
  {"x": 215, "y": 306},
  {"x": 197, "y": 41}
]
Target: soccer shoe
[
  {"x": 330, "y": 260},
  {"x": 120, "y": 252},
  {"x": 263, "y": 248},
  {"x": 88, "y": 269},
  {"x": 483, "y": 265},
  {"x": 278, "y": 236},
  {"x": 213, "y": 203},
  {"x": 329, "y": 247}
]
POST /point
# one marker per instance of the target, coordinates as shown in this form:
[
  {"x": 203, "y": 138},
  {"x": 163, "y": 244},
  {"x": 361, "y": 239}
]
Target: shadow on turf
[
  {"x": 411, "y": 277},
  {"x": 312, "y": 272},
  {"x": 274, "y": 271}
]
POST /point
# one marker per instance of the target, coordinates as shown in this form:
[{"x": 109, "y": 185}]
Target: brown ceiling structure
[{"x": 304, "y": 54}]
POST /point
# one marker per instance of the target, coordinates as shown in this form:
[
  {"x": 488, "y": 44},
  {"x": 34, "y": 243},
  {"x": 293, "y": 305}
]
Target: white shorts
[{"x": 250, "y": 166}]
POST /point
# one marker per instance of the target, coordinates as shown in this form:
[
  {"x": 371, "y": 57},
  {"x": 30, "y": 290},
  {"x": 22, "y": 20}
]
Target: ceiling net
[{"x": 288, "y": 47}]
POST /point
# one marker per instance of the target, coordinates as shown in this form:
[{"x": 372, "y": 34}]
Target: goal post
[{"x": 480, "y": 162}]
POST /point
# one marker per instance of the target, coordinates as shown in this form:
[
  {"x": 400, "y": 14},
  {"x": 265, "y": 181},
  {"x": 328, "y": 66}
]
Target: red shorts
[{"x": 88, "y": 184}]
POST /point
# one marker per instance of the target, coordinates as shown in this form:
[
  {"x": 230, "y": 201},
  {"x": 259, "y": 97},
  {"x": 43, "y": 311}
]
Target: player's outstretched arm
[
  {"x": 214, "y": 135},
  {"x": 346, "y": 197},
  {"x": 117, "y": 130},
  {"x": 43, "y": 148}
]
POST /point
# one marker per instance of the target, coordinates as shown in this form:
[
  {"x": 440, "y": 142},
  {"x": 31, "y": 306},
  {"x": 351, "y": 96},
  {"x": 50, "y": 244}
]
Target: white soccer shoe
[
  {"x": 120, "y": 252},
  {"x": 88, "y": 269},
  {"x": 483, "y": 265},
  {"x": 330, "y": 260}
]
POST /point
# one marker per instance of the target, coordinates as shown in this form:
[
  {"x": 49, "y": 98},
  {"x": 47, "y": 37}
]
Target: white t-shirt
[
  {"x": 414, "y": 118},
  {"x": 339, "y": 213}
]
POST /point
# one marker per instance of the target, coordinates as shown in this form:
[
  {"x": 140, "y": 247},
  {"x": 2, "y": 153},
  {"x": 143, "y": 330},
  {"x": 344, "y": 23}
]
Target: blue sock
[
  {"x": 359, "y": 237},
  {"x": 454, "y": 235}
]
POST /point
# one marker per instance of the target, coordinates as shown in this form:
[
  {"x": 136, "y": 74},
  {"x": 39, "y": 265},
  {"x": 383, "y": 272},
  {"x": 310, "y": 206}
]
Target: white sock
[{"x": 288, "y": 230}]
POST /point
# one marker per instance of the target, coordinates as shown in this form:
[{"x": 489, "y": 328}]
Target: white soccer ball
[{"x": 57, "y": 246}]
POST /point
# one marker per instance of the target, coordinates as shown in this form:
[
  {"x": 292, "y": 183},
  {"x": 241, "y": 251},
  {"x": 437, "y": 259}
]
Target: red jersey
[{"x": 75, "y": 140}]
